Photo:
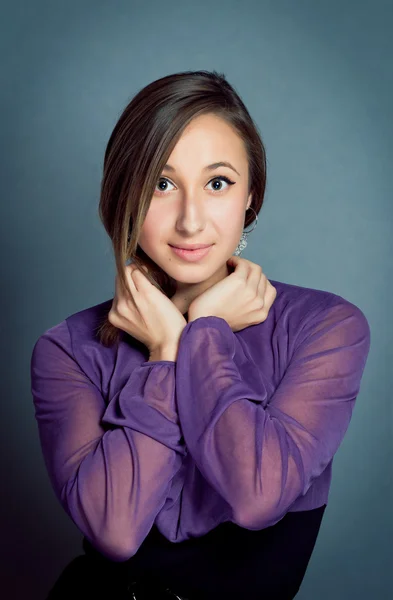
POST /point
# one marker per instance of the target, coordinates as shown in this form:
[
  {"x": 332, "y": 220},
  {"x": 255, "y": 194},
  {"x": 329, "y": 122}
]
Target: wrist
[
  {"x": 193, "y": 315},
  {"x": 164, "y": 353}
]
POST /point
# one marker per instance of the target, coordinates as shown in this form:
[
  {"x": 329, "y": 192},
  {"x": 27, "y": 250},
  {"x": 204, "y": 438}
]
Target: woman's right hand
[{"x": 145, "y": 312}]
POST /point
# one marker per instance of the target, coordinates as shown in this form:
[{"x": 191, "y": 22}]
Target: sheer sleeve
[
  {"x": 259, "y": 455},
  {"x": 110, "y": 465}
]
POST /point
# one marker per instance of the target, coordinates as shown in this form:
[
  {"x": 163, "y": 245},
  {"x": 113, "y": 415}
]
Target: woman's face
[{"x": 192, "y": 205}]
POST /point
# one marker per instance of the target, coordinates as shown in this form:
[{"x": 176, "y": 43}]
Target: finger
[
  {"x": 234, "y": 260},
  {"x": 261, "y": 290},
  {"x": 269, "y": 297},
  {"x": 256, "y": 280},
  {"x": 242, "y": 266},
  {"x": 122, "y": 295},
  {"x": 270, "y": 294},
  {"x": 134, "y": 277},
  {"x": 130, "y": 272}
]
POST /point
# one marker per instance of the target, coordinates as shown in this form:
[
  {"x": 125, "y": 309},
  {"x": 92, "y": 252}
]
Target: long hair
[{"x": 139, "y": 147}]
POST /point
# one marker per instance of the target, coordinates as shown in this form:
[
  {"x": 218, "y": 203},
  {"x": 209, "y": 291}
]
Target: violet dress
[{"x": 202, "y": 472}]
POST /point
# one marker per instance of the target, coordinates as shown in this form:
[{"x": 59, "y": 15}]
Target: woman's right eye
[{"x": 161, "y": 181}]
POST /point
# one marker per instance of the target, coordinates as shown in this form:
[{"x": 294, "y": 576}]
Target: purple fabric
[{"x": 242, "y": 428}]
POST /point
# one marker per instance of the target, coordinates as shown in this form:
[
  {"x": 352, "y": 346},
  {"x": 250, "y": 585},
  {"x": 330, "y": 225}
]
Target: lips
[
  {"x": 191, "y": 255},
  {"x": 191, "y": 246}
]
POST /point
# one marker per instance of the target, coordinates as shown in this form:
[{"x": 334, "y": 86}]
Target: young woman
[{"x": 189, "y": 423}]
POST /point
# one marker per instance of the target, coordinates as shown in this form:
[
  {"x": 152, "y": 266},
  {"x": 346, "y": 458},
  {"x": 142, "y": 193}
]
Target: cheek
[
  {"x": 232, "y": 222},
  {"x": 152, "y": 230}
]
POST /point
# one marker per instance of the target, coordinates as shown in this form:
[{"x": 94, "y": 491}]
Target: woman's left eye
[{"x": 222, "y": 178}]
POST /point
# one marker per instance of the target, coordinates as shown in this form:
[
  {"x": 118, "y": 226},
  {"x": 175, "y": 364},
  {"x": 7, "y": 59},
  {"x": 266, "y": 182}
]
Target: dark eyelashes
[
  {"x": 226, "y": 179},
  {"x": 219, "y": 177}
]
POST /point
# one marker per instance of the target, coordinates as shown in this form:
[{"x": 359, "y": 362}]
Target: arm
[
  {"x": 110, "y": 465},
  {"x": 260, "y": 457}
]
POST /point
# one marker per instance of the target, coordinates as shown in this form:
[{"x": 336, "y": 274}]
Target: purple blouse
[{"x": 243, "y": 427}]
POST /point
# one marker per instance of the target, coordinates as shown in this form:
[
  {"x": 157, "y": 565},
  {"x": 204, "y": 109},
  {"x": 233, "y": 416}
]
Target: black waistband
[{"x": 227, "y": 560}]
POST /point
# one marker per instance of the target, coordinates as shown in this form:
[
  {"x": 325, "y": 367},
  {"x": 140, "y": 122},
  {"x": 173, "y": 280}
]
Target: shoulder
[
  {"x": 289, "y": 293},
  {"x": 296, "y": 305},
  {"x": 86, "y": 322},
  {"x": 81, "y": 325},
  {"x": 76, "y": 336}
]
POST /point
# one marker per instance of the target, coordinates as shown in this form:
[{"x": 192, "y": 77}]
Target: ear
[{"x": 249, "y": 201}]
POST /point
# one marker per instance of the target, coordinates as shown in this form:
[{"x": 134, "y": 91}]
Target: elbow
[
  {"x": 110, "y": 534},
  {"x": 260, "y": 517},
  {"x": 113, "y": 548},
  {"x": 109, "y": 541},
  {"x": 114, "y": 542}
]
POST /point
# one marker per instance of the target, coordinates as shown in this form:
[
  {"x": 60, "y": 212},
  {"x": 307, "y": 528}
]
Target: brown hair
[{"x": 139, "y": 147}]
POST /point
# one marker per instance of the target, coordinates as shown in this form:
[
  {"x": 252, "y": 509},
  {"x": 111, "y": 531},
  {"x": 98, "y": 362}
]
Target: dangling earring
[{"x": 243, "y": 240}]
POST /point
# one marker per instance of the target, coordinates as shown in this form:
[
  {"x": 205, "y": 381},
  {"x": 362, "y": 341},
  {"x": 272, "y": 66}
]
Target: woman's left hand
[{"x": 243, "y": 298}]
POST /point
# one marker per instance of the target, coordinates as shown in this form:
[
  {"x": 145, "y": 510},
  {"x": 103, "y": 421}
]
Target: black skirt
[{"x": 227, "y": 563}]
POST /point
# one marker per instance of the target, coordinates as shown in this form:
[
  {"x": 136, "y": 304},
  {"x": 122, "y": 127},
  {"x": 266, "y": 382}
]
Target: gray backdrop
[{"x": 317, "y": 78}]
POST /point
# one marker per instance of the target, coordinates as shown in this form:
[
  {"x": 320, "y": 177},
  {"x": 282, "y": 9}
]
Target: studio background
[{"x": 317, "y": 78}]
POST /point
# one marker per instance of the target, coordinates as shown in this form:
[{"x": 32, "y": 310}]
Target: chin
[{"x": 188, "y": 277}]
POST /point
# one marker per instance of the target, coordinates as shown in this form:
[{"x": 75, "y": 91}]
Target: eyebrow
[{"x": 208, "y": 168}]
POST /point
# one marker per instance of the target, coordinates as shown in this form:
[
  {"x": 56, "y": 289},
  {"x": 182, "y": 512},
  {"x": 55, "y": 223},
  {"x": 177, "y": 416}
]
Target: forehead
[{"x": 209, "y": 139}]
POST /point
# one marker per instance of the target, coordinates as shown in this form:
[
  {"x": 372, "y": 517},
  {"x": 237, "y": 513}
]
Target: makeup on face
[{"x": 191, "y": 255}]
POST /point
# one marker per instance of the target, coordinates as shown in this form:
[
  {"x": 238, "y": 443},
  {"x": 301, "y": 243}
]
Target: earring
[{"x": 243, "y": 240}]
